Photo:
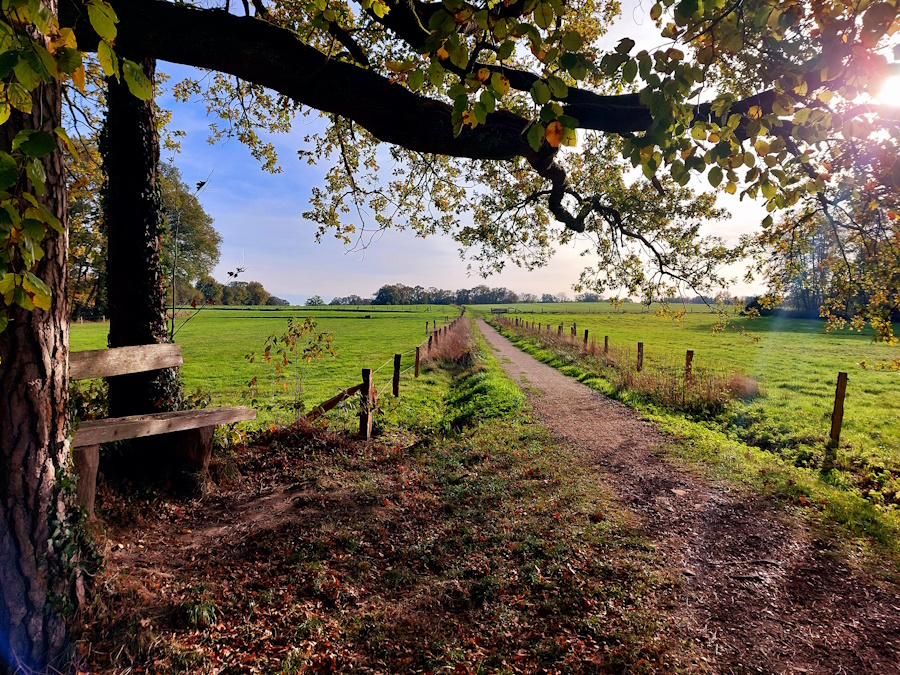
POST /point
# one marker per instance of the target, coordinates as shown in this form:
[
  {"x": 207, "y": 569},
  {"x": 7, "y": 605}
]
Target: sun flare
[{"x": 890, "y": 91}]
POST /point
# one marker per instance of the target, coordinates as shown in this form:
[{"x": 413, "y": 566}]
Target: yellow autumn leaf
[
  {"x": 442, "y": 53},
  {"x": 65, "y": 38},
  {"x": 483, "y": 74},
  {"x": 78, "y": 78},
  {"x": 554, "y": 134},
  {"x": 400, "y": 66}
]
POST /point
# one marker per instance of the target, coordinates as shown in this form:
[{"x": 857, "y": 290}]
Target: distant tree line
[{"x": 209, "y": 291}]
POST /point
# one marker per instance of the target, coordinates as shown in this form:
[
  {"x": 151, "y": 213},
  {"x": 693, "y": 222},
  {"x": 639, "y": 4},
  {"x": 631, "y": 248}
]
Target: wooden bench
[{"x": 92, "y": 433}]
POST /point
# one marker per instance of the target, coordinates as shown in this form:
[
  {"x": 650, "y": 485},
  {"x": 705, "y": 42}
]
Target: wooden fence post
[
  {"x": 585, "y": 337},
  {"x": 688, "y": 360},
  {"x": 426, "y": 328},
  {"x": 539, "y": 326},
  {"x": 837, "y": 415},
  {"x": 559, "y": 331},
  {"x": 640, "y": 361},
  {"x": 396, "y": 375},
  {"x": 417, "y": 362},
  {"x": 606, "y": 345},
  {"x": 430, "y": 337},
  {"x": 366, "y": 404}
]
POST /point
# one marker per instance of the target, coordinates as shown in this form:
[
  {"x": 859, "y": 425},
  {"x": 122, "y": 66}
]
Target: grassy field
[{"x": 216, "y": 341}]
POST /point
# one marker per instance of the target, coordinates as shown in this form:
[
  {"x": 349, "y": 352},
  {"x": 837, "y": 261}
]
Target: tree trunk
[
  {"x": 33, "y": 436},
  {"x": 135, "y": 282}
]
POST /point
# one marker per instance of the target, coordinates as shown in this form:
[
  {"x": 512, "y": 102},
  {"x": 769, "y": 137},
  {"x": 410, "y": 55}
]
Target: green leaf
[
  {"x": 505, "y": 50},
  {"x": 557, "y": 87},
  {"x": 715, "y": 176},
  {"x": 630, "y": 70},
  {"x": 36, "y": 174},
  {"x": 436, "y": 74},
  {"x": 7, "y": 285},
  {"x": 480, "y": 112},
  {"x": 41, "y": 292},
  {"x": 548, "y": 114},
  {"x": 70, "y": 145},
  {"x": 625, "y": 45},
  {"x": 9, "y": 171},
  {"x": 540, "y": 92},
  {"x": 103, "y": 20},
  {"x": 655, "y": 12},
  {"x": 4, "y": 321},
  {"x": 8, "y": 61},
  {"x": 499, "y": 84},
  {"x": 416, "y": 79},
  {"x": 535, "y": 136},
  {"x": 543, "y": 15},
  {"x": 68, "y": 60},
  {"x": 487, "y": 99},
  {"x": 34, "y": 143},
  {"x": 572, "y": 41},
  {"x": 26, "y": 75},
  {"x": 109, "y": 62},
  {"x": 138, "y": 83}
]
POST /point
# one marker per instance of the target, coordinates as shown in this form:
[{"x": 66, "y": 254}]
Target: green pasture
[
  {"x": 215, "y": 342},
  {"x": 795, "y": 361}
]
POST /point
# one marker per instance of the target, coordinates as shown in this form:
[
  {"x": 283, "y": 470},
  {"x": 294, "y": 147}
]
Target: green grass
[
  {"x": 776, "y": 442},
  {"x": 216, "y": 341}
]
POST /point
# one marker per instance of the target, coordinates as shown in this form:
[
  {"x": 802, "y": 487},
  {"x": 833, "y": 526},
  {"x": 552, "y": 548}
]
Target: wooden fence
[{"x": 368, "y": 396}]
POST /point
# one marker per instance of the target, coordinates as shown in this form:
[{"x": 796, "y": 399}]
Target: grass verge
[{"x": 827, "y": 494}]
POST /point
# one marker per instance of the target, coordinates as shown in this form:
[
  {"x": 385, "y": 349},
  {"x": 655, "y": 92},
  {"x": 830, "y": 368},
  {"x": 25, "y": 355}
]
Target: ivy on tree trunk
[{"x": 133, "y": 215}]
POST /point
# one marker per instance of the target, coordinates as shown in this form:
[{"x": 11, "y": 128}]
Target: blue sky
[{"x": 259, "y": 216}]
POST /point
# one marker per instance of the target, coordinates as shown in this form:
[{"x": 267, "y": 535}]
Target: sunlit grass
[{"x": 216, "y": 342}]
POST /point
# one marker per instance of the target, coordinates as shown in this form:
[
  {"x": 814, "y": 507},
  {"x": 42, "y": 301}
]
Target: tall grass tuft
[{"x": 455, "y": 346}]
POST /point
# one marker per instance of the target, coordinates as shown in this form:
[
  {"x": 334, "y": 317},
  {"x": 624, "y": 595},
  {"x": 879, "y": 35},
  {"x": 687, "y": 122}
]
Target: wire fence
[{"x": 369, "y": 395}]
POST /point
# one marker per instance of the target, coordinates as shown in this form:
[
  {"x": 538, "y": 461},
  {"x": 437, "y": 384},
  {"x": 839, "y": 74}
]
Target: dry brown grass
[
  {"x": 661, "y": 378},
  {"x": 453, "y": 346}
]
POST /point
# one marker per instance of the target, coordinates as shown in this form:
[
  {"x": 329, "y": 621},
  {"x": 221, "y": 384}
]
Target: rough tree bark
[{"x": 33, "y": 435}]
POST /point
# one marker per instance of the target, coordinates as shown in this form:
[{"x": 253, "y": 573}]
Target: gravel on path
[{"x": 758, "y": 590}]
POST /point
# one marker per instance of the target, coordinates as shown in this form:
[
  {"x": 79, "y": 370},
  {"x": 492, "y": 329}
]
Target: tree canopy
[{"x": 515, "y": 113}]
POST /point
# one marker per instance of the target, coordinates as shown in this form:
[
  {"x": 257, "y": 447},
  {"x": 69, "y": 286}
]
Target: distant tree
[
  {"x": 210, "y": 289},
  {"x": 588, "y": 297},
  {"x": 548, "y": 297},
  {"x": 235, "y": 293},
  {"x": 315, "y": 301},
  {"x": 256, "y": 294},
  {"x": 528, "y": 297},
  {"x": 276, "y": 302}
]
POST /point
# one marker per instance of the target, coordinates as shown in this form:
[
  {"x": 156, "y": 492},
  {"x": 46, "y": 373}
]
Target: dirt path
[{"x": 758, "y": 592}]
